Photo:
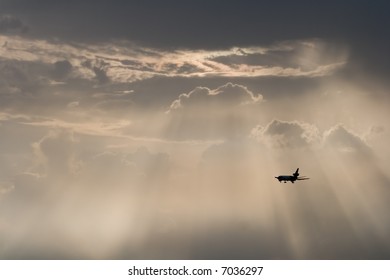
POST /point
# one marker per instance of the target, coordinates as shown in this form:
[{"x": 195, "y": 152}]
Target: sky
[{"x": 154, "y": 129}]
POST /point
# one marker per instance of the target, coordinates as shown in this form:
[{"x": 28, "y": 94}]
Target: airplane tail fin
[{"x": 296, "y": 174}]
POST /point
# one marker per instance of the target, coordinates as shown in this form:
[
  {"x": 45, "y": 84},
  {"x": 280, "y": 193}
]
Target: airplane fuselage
[
  {"x": 291, "y": 178},
  {"x": 286, "y": 178}
]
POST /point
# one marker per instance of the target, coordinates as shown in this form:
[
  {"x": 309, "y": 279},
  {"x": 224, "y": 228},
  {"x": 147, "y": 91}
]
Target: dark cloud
[
  {"x": 11, "y": 25},
  {"x": 101, "y": 75},
  {"x": 200, "y": 24},
  {"x": 177, "y": 24},
  {"x": 98, "y": 67},
  {"x": 24, "y": 87},
  {"x": 62, "y": 69},
  {"x": 46, "y": 89}
]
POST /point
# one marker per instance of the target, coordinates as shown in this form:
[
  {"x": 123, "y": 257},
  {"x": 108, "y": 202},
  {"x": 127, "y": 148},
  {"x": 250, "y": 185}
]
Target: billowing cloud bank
[
  {"x": 121, "y": 146},
  {"x": 106, "y": 194}
]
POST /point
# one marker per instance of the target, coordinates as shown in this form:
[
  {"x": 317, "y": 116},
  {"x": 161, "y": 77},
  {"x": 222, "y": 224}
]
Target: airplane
[{"x": 291, "y": 178}]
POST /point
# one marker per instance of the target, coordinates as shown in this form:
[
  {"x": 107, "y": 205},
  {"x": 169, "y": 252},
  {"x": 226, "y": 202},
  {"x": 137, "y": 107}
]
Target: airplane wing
[{"x": 303, "y": 178}]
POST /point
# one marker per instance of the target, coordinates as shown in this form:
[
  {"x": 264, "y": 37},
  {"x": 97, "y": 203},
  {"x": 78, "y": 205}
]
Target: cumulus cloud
[
  {"x": 345, "y": 141},
  {"x": 212, "y": 113},
  {"x": 229, "y": 95},
  {"x": 294, "y": 134},
  {"x": 285, "y": 134}
]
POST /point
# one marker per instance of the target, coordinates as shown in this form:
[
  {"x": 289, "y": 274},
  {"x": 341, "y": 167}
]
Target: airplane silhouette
[{"x": 291, "y": 178}]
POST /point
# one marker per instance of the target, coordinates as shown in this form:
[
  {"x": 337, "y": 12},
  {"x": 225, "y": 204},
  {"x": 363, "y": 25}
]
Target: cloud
[
  {"x": 326, "y": 210},
  {"x": 227, "y": 96},
  {"x": 285, "y": 134},
  {"x": 98, "y": 66},
  {"x": 95, "y": 196},
  {"x": 207, "y": 113},
  {"x": 38, "y": 88},
  {"x": 55, "y": 155},
  {"x": 101, "y": 75},
  {"x": 70, "y": 191},
  {"x": 126, "y": 62},
  {"x": 291, "y": 135},
  {"x": 152, "y": 165},
  {"x": 11, "y": 25},
  {"x": 133, "y": 21},
  {"x": 124, "y": 136},
  {"x": 377, "y": 129},
  {"x": 62, "y": 69},
  {"x": 61, "y": 154},
  {"x": 138, "y": 171},
  {"x": 18, "y": 77},
  {"x": 345, "y": 141},
  {"x": 154, "y": 26}
]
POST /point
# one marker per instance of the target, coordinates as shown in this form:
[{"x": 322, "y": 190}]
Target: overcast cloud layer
[{"x": 154, "y": 130}]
